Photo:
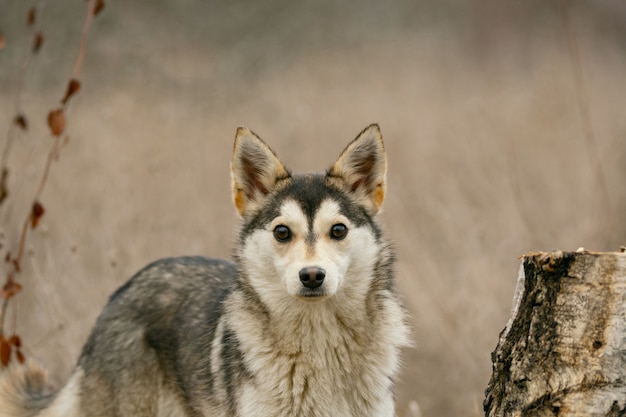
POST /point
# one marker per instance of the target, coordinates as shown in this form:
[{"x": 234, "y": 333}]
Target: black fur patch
[
  {"x": 233, "y": 367},
  {"x": 309, "y": 191}
]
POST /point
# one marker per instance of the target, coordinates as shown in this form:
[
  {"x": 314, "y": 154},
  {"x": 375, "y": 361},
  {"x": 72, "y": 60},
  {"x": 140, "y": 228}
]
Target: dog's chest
[{"x": 324, "y": 379}]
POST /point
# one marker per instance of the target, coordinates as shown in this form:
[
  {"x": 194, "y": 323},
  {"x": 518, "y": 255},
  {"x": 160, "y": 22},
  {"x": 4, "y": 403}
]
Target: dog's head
[{"x": 309, "y": 236}]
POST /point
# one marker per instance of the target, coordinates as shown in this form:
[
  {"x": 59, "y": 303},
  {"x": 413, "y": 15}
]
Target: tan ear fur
[
  {"x": 362, "y": 168},
  {"x": 255, "y": 170}
]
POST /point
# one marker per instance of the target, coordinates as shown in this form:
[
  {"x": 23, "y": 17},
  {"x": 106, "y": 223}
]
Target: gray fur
[{"x": 194, "y": 336}]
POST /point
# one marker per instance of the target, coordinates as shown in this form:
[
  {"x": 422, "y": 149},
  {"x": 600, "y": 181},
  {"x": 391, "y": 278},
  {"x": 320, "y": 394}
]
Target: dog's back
[
  {"x": 148, "y": 353},
  {"x": 306, "y": 323},
  {"x": 153, "y": 339}
]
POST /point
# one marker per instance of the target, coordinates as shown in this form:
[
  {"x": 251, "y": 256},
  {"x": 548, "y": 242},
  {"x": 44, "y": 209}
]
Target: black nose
[{"x": 312, "y": 276}]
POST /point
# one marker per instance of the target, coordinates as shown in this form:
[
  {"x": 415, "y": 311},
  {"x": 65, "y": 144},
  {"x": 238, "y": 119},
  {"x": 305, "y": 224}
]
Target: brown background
[{"x": 478, "y": 106}]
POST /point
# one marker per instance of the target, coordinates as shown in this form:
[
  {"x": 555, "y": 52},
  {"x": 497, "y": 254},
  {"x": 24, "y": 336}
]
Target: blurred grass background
[{"x": 478, "y": 102}]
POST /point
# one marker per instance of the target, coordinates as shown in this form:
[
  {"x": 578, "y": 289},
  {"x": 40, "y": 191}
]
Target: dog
[{"x": 306, "y": 322}]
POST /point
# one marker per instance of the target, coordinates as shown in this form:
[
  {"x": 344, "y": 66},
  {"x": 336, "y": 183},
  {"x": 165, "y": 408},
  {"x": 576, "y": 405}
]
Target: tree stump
[{"x": 563, "y": 351}]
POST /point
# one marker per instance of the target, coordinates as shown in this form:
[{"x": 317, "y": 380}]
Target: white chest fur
[{"x": 318, "y": 364}]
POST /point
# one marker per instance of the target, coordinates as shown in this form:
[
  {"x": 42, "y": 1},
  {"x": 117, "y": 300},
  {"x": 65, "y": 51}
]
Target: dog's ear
[
  {"x": 362, "y": 168},
  {"x": 255, "y": 170}
]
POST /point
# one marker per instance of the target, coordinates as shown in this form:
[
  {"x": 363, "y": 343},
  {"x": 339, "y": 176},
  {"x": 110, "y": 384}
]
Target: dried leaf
[
  {"x": 20, "y": 356},
  {"x": 32, "y": 16},
  {"x": 7, "y": 257},
  {"x": 16, "y": 264},
  {"x": 9, "y": 290},
  {"x": 15, "y": 341},
  {"x": 36, "y": 213},
  {"x": 37, "y": 42},
  {"x": 20, "y": 120},
  {"x": 3, "y": 41},
  {"x": 72, "y": 88},
  {"x": 5, "y": 351},
  {"x": 4, "y": 191},
  {"x": 99, "y": 7},
  {"x": 56, "y": 121}
]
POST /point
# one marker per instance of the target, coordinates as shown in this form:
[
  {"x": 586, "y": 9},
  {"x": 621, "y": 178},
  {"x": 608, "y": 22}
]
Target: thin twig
[
  {"x": 52, "y": 154},
  {"x": 3, "y": 313},
  {"x": 83, "y": 39},
  {"x": 32, "y": 217},
  {"x": 20, "y": 252},
  {"x": 17, "y": 99},
  {"x": 9, "y": 143}
]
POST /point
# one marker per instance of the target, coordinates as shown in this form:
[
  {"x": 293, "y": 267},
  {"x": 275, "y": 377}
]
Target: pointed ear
[
  {"x": 255, "y": 171},
  {"x": 362, "y": 168}
]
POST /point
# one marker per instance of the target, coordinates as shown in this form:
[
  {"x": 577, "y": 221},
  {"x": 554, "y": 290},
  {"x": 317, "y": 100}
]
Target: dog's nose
[{"x": 312, "y": 276}]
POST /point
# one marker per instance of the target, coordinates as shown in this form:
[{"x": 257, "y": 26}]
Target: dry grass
[{"x": 478, "y": 106}]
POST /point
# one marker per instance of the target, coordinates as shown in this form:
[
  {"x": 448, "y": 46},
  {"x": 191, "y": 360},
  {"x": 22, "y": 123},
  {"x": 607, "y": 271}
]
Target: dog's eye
[
  {"x": 282, "y": 233},
  {"x": 338, "y": 231}
]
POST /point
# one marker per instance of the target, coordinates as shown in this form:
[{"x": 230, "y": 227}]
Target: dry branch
[
  {"x": 563, "y": 352},
  {"x": 57, "y": 122}
]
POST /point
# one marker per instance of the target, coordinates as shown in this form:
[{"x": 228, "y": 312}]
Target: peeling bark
[{"x": 563, "y": 351}]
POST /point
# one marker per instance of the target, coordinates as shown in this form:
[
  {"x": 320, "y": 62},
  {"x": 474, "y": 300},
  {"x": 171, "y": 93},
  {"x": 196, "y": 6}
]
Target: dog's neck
[
  {"x": 327, "y": 324},
  {"x": 316, "y": 323}
]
